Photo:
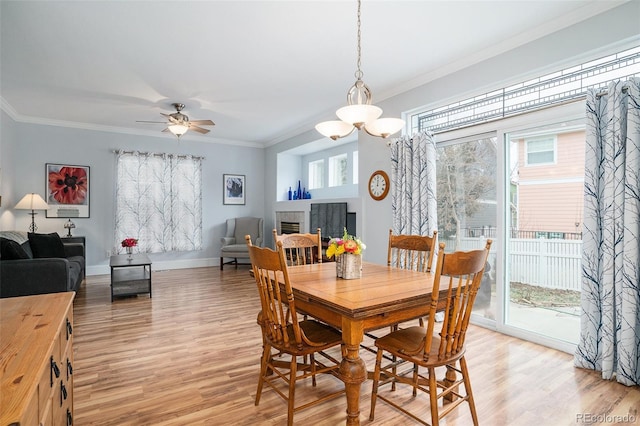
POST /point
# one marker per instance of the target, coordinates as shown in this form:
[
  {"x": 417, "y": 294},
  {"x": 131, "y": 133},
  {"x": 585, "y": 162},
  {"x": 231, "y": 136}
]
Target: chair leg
[
  {"x": 293, "y": 374},
  {"x": 312, "y": 360},
  {"x": 415, "y": 379},
  {"x": 376, "y": 379},
  {"x": 266, "y": 354},
  {"x": 433, "y": 396},
  {"x": 467, "y": 386}
]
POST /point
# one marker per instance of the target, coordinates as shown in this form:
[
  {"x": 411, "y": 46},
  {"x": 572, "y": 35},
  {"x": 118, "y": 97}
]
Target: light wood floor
[{"x": 190, "y": 356}]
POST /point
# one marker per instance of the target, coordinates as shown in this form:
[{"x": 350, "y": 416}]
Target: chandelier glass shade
[{"x": 359, "y": 113}]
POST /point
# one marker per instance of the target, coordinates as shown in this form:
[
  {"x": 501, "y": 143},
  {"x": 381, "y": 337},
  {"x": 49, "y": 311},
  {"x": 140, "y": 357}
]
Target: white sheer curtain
[
  {"x": 413, "y": 173},
  {"x": 159, "y": 201},
  {"x": 610, "y": 322}
]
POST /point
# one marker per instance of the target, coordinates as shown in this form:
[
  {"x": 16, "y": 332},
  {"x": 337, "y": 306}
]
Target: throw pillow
[
  {"x": 46, "y": 245},
  {"x": 11, "y": 250}
]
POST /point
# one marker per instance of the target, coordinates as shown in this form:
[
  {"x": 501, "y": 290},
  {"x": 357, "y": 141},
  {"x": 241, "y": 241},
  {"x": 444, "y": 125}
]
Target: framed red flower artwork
[{"x": 67, "y": 190}]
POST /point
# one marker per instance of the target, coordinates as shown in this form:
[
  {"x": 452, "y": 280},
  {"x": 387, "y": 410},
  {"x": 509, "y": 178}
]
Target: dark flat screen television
[{"x": 331, "y": 218}]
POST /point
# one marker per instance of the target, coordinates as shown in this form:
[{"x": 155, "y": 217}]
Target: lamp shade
[
  {"x": 358, "y": 115},
  {"x": 334, "y": 129},
  {"x": 178, "y": 129},
  {"x": 384, "y": 127},
  {"x": 32, "y": 202}
]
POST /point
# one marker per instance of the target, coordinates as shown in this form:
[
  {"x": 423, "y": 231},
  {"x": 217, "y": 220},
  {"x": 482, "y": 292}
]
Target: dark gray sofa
[{"x": 39, "y": 274}]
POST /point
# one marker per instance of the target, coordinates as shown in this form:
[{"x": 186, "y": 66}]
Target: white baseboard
[{"x": 160, "y": 265}]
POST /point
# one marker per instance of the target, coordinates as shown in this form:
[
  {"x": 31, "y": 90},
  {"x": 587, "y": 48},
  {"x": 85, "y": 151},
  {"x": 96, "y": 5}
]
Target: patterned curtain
[
  {"x": 610, "y": 322},
  {"x": 413, "y": 174},
  {"x": 159, "y": 201}
]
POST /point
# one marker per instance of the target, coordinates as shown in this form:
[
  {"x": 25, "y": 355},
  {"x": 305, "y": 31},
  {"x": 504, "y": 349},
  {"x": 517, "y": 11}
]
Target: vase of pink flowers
[{"x": 129, "y": 244}]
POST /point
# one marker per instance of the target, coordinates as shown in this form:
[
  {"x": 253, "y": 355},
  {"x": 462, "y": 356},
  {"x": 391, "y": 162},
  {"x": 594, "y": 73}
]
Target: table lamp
[
  {"x": 32, "y": 202},
  {"x": 69, "y": 226}
]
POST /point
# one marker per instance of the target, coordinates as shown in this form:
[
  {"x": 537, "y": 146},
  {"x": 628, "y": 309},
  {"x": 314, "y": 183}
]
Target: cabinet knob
[
  {"x": 69, "y": 329},
  {"x": 69, "y": 368},
  {"x": 55, "y": 370},
  {"x": 63, "y": 393}
]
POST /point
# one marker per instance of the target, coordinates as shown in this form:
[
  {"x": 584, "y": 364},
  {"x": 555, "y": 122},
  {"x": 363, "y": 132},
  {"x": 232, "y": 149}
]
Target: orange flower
[
  {"x": 69, "y": 185},
  {"x": 350, "y": 246}
]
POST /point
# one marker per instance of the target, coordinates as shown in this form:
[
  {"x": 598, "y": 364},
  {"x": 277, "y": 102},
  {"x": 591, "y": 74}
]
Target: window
[
  {"x": 316, "y": 174},
  {"x": 159, "y": 201},
  {"x": 541, "y": 150},
  {"x": 548, "y": 90},
  {"x": 338, "y": 170}
]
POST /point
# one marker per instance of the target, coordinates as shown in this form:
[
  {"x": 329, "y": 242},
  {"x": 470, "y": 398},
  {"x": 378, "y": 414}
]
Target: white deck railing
[{"x": 550, "y": 263}]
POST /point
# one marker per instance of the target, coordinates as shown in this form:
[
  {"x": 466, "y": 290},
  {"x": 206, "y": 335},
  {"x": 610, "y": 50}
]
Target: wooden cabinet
[{"x": 36, "y": 360}]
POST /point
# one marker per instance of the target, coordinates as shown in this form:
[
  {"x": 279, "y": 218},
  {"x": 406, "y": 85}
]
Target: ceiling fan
[{"x": 178, "y": 123}]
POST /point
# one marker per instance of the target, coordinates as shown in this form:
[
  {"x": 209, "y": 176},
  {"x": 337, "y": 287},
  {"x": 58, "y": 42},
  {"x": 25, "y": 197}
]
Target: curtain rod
[{"x": 157, "y": 154}]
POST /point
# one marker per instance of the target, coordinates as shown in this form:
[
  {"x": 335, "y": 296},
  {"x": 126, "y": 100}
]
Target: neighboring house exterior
[{"x": 550, "y": 184}]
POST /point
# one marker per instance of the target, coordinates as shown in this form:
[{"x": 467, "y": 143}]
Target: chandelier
[{"x": 359, "y": 113}]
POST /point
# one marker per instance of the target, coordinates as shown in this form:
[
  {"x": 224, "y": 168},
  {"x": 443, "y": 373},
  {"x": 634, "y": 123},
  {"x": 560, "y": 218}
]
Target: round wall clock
[{"x": 378, "y": 185}]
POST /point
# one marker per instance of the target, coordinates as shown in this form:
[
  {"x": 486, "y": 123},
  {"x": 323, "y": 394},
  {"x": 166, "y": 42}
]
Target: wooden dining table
[{"x": 383, "y": 296}]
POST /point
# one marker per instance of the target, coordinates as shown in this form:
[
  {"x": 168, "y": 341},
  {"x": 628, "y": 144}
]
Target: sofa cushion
[
  {"x": 11, "y": 250},
  {"x": 46, "y": 245}
]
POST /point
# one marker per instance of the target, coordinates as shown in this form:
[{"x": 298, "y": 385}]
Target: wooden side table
[{"x": 130, "y": 276}]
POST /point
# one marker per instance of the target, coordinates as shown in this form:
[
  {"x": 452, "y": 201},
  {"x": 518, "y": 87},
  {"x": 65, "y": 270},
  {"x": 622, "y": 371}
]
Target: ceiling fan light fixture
[
  {"x": 178, "y": 129},
  {"x": 359, "y": 113},
  {"x": 335, "y": 129}
]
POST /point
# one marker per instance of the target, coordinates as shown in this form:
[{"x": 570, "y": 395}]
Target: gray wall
[{"x": 27, "y": 147}]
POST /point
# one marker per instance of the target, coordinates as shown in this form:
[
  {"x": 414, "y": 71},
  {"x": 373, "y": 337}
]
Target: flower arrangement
[
  {"x": 129, "y": 242},
  {"x": 346, "y": 244}
]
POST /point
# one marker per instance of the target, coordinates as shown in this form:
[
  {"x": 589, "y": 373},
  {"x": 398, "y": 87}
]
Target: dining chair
[
  {"x": 413, "y": 252},
  {"x": 283, "y": 335},
  {"x": 456, "y": 282},
  {"x": 301, "y": 249}
]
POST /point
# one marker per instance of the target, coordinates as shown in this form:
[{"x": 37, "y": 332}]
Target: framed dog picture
[
  {"x": 233, "y": 189},
  {"x": 67, "y": 189}
]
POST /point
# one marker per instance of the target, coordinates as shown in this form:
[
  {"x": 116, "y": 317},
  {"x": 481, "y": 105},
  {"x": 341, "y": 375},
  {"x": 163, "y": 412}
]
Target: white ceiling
[{"x": 263, "y": 71}]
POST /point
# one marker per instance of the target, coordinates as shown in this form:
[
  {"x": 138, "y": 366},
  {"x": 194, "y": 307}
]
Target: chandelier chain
[{"x": 359, "y": 71}]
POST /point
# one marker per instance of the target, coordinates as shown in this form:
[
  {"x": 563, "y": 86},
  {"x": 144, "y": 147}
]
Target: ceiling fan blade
[
  {"x": 203, "y": 122},
  {"x": 197, "y": 129},
  {"x": 169, "y": 117},
  {"x": 144, "y": 121},
  {"x": 166, "y": 129}
]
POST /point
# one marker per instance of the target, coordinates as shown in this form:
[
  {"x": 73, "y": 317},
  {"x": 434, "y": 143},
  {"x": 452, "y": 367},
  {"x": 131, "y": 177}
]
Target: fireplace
[
  {"x": 289, "y": 227},
  {"x": 290, "y": 222}
]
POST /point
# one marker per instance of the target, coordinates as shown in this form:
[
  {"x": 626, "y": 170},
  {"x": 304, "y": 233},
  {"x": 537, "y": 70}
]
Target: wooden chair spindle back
[
  {"x": 460, "y": 273},
  {"x": 301, "y": 249},
  {"x": 278, "y": 306},
  {"x": 413, "y": 252}
]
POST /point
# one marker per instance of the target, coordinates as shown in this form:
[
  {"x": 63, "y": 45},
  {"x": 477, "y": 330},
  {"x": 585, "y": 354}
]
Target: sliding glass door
[
  {"x": 520, "y": 182},
  {"x": 544, "y": 242},
  {"x": 466, "y": 191}
]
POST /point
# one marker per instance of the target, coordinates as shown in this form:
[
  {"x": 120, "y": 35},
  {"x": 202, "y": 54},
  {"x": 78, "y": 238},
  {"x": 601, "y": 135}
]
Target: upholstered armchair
[{"x": 233, "y": 243}]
